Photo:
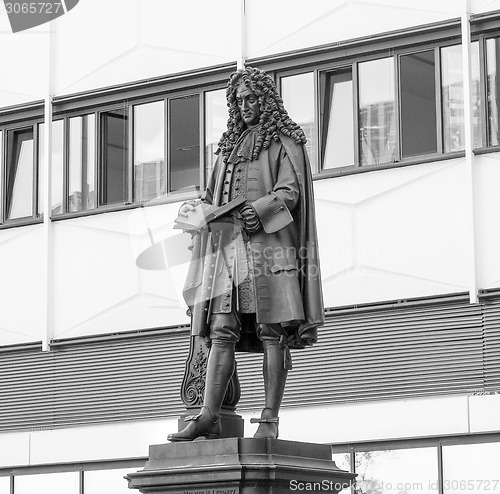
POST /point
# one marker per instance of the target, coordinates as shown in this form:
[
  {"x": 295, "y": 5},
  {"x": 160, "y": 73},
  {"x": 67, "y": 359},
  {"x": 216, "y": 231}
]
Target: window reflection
[
  {"x": 20, "y": 174},
  {"x": 297, "y": 92},
  {"x": 106, "y": 481},
  {"x": 418, "y": 103},
  {"x": 394, "y": 471},
  {"x": 57, "y": 166},
  {"x": 4, "y": 483},
  {"x": 342, "y": 460},
  {"x": 149, "y": 151},
  {"x": 114, "y": 165},
  {"x": 377, "y": 116},
  {"x": 453, "y": 97},
  {"x": 81, "y": 172},
  {"x": 471, "y": 469},
  {"x": 337, "y": 126},
  {"x": 493, "y": 85},
  {"x": 185, "y": 143},
  {"x": 49, "y": 483},
  {"x": 215, "y": 125}
]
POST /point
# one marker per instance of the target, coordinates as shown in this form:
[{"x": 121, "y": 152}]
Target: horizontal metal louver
[
  {"x": 382, "y": 354},
  {"x": 117, "y": 380},
  {"x": 373, "y": 353},
  {"x": 491, "y": 310}
]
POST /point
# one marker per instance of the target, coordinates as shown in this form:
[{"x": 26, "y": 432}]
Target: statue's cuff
[{"x": 272, "y": 212}]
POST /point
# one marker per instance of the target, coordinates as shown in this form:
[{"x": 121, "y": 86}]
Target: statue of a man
[{"x": 254, "y": 282}]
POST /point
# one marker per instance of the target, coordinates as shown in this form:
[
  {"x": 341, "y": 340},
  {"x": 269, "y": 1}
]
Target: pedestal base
[{"x": 239, "y": 466}]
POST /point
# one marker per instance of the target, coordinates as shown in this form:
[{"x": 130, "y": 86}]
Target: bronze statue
[{"x": 254, "y": 282}]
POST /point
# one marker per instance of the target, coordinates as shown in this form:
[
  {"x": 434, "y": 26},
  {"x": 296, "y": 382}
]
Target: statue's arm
[{"x": 274, "y": 210}]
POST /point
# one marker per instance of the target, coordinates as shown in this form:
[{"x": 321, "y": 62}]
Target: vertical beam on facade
[
  {"x": 469, "y": 155},
  {"x": 47, "y": 199},
  {"x": 243, "y": 38}
]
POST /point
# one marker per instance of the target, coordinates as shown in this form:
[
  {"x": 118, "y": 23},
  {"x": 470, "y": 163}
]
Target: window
[
  {"x": 394, "y": 472},
  {"x": 429, "y": 466},
  {"x": 377, "y": 112},
  {"x": 493, "y": 89},
  {"x": 452, "y": 88},
  {"x": 418, "y": 103},
  {"x": 150, "y": 177},
  {"x": 81, "y": 169},
  {"x": 114, "y": 157},
  {"x": 106, "y": 481},
  {"x": 298, "y": 96},
  {"x": 20, "y": 174},
  {"x": 135, "y": 153},
  {"x": 47, "y": 483},
  {"x": 57, "y": 166},
  {"x": 215, "y": 125},
  {"x": 471, "y": 468},
  {"x": 184, "y": 143},
  {"x": 337, "y": 131},
  {"x": 4, "y": 485},
  {"x": 408, "y": 105}
]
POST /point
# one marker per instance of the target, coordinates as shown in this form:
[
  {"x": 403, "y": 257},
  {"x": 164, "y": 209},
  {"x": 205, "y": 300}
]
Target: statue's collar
[{"x": 245, "y": 145}]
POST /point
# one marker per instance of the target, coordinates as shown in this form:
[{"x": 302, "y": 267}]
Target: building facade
[{"x": 109, "y": 119}]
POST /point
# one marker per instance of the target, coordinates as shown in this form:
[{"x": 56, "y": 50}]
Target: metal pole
[
  {"x": 47, "y": 319},
  {"x": 243, "y": 37},
  {"x": 469, "y": 155}
]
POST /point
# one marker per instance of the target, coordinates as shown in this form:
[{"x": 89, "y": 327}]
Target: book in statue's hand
[{"x": 203, "y": 214}]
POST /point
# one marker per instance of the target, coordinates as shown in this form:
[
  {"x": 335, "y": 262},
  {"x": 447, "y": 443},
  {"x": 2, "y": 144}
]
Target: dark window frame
[
  {"x": 166, "y": 93},
  {"x": 329, "y": 58},
  {"x": 8, "y": 131}
]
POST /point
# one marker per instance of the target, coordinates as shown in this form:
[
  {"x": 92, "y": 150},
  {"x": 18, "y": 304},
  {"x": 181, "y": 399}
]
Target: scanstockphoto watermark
[
  {"x": 322, "y": 485},
  {"x": 454, "y": 485},
  {"x": 366, "y": 486},
  {"x": 28, "y": 14}
]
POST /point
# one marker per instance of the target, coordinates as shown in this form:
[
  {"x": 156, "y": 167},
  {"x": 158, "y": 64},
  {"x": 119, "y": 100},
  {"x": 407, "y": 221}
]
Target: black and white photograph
[{"x": 249, "y": 247}]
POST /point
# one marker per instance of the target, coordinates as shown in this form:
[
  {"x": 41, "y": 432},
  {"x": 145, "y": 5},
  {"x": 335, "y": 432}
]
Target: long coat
[{"x": 284, "y": 252}]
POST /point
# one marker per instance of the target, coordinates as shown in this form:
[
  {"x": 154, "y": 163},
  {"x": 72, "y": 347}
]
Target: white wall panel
[
  {"x": 21, "y": 290},
  {"x": 334, "y": 424},
  {"x": 24, "y": 58},
  {"x": 15, "y": 449},
  {"x": 401, "y": 230},
  {"x": 481, "y": 6},
  {"x": 294, "y": 27},
  {"x": 487, "y": 202},
  {"x": 105, "y": 43},
  {"x": 100, "y": 287},
  {"x": 384, "y": 235}
]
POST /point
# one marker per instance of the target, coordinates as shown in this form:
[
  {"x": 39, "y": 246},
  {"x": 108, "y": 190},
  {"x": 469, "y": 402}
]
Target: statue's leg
[
  {"x": 275, "y": 374},
  {"x": 220, "y": 368}
]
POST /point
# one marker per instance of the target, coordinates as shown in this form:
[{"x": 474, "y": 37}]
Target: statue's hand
[
  {"x": 250, "y": 219},
  {"x": 185, "y": 209}
]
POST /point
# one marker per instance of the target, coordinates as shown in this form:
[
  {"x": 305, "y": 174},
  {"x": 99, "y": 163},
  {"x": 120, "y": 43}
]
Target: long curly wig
[{"x": 274, "y": 119}]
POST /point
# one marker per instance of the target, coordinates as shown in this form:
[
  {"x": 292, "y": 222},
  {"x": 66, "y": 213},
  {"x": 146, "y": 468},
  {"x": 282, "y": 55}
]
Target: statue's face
[{"x": 248, "y": 104}]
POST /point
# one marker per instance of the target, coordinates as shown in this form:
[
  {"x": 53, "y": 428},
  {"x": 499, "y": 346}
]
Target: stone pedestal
[{"x": 239, "y": 466}]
